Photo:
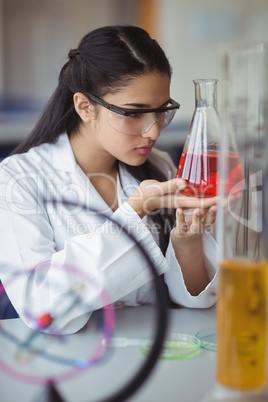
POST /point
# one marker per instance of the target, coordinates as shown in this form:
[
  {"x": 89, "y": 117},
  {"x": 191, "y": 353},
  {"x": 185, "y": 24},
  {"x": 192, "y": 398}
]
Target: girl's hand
[
  {"x": 192, "y": 223},
  {"x": 186, "y": 236},
  {"x": 152, "y": 194},
  {"x": 187, "y": 241}
]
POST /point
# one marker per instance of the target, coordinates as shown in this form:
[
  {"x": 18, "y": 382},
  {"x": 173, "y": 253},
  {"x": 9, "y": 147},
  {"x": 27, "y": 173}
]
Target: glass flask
[
  {"x": 198, "y": 165},
  {"x": 242, "y": 229}
]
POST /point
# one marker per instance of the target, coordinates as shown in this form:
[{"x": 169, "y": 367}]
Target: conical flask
[{"x": 199, "y": 163}]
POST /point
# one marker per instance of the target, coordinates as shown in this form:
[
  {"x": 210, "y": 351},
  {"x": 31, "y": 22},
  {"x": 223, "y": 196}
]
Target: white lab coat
[{"x": 76, "y": 252}]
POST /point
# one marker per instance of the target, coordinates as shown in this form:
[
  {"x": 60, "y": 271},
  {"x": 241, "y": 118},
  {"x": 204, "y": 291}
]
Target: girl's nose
[{"x": 153, "y": 131}]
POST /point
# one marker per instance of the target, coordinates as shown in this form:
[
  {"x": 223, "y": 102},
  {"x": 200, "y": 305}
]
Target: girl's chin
[{"x": 136, "y": 161}]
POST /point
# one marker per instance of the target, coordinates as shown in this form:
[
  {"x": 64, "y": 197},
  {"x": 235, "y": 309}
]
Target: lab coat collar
[
  {"x": 63, "y": 156},
  {"x": 63, "y": 159}
]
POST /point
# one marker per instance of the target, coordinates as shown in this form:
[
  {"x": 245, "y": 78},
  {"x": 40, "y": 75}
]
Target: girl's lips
[{"x": 144, "y": 150}]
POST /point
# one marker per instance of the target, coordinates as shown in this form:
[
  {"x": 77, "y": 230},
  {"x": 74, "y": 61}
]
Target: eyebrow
[{"x": 143, "y": 105}]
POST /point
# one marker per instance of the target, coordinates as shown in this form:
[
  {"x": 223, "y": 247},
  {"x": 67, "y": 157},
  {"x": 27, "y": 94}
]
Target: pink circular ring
[{"x": 98, "y": 353}]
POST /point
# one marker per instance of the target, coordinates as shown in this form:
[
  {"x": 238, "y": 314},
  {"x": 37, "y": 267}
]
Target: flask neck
[{"x": 206, "y": 93}]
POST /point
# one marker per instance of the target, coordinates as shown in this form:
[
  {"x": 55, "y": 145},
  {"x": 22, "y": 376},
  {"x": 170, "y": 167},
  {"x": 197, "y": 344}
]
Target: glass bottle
[
  {"x": 242, "y": 229},
  {"x": 199, "y": 165},
  {"x": 243, "y": 224}
]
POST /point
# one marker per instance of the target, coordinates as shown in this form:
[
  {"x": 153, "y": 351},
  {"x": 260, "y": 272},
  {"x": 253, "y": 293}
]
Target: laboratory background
[
  {"x": 36, "y": 35},
  {"x": 35, "y": 38}
]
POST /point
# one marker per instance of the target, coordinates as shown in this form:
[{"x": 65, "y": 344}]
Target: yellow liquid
[{"x": 242, "y": 324}]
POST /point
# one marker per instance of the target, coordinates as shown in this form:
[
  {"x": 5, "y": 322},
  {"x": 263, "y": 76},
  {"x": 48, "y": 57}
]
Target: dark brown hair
[{"x": 105, "y": 60}]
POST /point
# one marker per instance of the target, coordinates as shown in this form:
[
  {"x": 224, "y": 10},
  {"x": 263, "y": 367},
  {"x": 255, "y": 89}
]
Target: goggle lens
[{"x": 140, "y": 123}]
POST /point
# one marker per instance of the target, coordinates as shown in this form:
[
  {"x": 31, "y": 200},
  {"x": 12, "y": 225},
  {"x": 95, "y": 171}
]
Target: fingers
[
  {"x": 180, "y": 218},
  {"x": 189, "y": 225},
  {"x": 198, "y": 221},
  {"x": 210, "y": 216},
  {"x": 182, "y": 227},
  {"x": 152, "y": 194},
  {"x": 172, "y": 186},
  {"x": 192, "y": 202},
  {"x": 194, "y": 222},
  {"x": 176, "y": 200}
]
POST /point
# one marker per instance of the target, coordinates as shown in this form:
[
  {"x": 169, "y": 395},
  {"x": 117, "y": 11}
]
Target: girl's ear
[{"x": 83, "y": 107}]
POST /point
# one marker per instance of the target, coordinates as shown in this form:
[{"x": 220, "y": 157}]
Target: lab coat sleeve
[
  {"x": 91, "y": 270},
  {"x": 175, "y": 282}
]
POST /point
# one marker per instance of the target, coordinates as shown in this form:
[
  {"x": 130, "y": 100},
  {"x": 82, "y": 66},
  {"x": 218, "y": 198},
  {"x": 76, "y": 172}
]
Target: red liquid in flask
[{"x": 201, "y": 173}]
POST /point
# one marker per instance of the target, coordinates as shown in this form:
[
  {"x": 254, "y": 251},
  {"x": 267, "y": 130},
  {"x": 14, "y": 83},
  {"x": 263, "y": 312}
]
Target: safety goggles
[{"x": 138, "y": 121}]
